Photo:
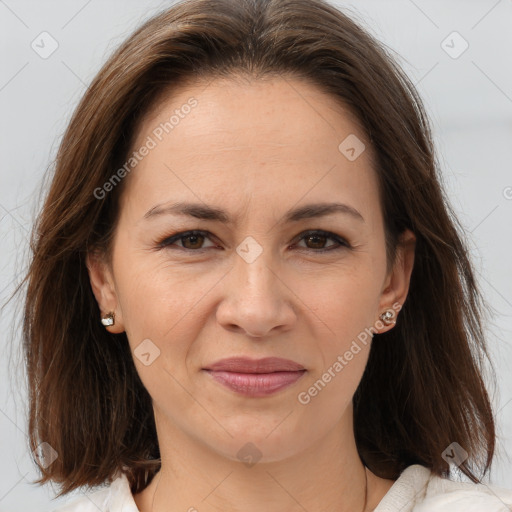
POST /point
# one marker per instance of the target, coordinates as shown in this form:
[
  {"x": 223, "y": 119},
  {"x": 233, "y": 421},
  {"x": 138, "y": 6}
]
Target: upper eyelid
[{"x": 337, "y": 238}]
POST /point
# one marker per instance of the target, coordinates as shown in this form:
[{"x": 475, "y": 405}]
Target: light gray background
[{"x": 469, "y": 99}]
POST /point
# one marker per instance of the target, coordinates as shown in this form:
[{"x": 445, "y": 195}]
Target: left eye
[
  {"x": 192, "y": 240},
  {"x": 320, "y": 237}
]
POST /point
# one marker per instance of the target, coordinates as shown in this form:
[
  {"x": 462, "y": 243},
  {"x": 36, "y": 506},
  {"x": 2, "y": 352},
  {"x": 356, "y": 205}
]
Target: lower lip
[{"x": 256, "y": 384}]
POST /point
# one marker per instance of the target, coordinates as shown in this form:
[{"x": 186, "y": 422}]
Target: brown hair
[{"x": 423, "y": 385}]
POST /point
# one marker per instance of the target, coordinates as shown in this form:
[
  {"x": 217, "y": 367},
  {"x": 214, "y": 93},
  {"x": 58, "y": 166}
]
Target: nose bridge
[
  {"x": 254, "y": 266},
  {"x": 256, "y": 301}
]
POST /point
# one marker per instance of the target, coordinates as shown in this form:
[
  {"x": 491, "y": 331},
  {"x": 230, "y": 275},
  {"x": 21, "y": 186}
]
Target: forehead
[
  {"x": 270, "y": 108},
  {"x": 247, "y": 138}
]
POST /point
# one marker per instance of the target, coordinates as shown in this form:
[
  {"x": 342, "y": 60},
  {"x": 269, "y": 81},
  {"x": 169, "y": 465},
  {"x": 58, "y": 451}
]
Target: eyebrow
[{"x": 205, "y": 212}]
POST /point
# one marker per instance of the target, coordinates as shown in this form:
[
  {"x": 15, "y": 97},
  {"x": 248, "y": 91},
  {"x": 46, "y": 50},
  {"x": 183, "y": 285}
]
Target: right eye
[{"x": 190, "y": 240}]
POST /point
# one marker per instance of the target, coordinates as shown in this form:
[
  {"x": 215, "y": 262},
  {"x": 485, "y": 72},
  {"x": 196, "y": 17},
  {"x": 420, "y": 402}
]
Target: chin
[{"x": 264, "y": 444}]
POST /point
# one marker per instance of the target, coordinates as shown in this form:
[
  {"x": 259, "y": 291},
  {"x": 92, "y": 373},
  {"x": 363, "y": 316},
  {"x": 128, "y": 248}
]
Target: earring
[
  {"x": 108, "y": 319},
  {"x": 387, "y": 316}
]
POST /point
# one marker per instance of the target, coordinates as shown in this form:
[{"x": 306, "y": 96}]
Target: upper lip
[{"x": 247, "y": 365}]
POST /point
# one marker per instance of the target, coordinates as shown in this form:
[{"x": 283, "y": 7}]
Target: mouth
[
  {"x": 247, "y": 365},
  {"x": 256, "y": 378}
]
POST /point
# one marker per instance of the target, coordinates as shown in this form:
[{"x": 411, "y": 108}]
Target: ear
[
  {"x": 102, "y": 284},
  {"x": 396, "y": 285}
]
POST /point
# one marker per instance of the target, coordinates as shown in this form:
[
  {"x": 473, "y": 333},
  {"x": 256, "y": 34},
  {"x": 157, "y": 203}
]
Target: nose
[{"x": 256, "y": 300}]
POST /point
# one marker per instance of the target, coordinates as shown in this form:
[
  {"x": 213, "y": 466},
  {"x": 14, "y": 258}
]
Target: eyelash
[{"x": 343, "y": 244}]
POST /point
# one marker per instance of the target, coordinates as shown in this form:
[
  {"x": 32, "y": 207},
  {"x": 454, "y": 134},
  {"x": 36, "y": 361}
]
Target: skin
[{"x": 255, "y": 149}]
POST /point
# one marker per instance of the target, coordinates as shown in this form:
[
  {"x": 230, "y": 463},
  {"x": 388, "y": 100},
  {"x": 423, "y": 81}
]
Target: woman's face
[{"x": 261, "y": 279}]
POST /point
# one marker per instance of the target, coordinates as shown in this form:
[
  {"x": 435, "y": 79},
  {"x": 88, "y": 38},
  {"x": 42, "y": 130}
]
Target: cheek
[
  {"x": 151, "y": 296},
  {"x": 344, "y": 312},
  {"x": 345, "y": 306},
  {"x": 346, "y": 299},
  {"x": 162, "y": 305},
  {"x": 160, "y": 310}
]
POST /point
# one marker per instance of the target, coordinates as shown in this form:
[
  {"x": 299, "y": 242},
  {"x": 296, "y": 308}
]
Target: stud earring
[
  {"x": 387, "y": 316},
  {"x": 108, "y": 319}
]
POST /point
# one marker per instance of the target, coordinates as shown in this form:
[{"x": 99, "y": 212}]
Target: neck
[{"x": 328, "y": 475}]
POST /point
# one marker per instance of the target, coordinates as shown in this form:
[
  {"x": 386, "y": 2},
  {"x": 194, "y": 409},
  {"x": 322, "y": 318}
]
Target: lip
[
  {"x": 256, "y": 384},
  {"x": 247, "y": 365},
  {"x": 256, "y": 377}
]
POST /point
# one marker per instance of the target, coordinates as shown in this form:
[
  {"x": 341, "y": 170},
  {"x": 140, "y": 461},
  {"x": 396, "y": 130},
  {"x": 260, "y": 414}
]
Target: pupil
[
  {"x": 193, "y": 238},
  {"x": 317, "y": 237}
]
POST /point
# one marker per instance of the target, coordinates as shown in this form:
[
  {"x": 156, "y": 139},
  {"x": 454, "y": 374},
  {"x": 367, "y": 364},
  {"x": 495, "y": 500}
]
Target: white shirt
[{"x": 416, "y": 490}]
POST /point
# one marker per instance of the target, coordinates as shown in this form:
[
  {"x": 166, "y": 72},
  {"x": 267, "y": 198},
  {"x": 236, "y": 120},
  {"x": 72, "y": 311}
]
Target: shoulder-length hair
[{"x": 423, "y": 385}]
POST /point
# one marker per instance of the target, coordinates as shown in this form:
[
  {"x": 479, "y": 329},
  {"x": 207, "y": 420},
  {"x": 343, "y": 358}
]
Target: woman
[{"x": 248, "y": 290}]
